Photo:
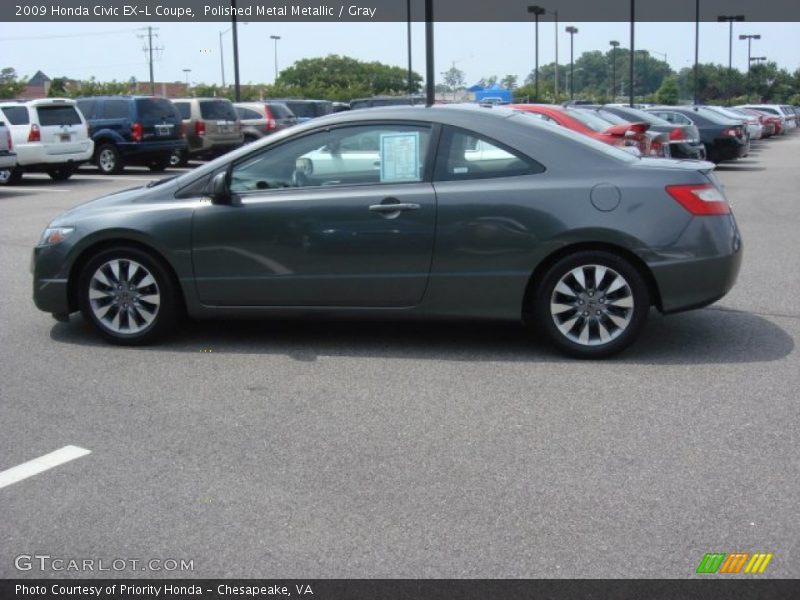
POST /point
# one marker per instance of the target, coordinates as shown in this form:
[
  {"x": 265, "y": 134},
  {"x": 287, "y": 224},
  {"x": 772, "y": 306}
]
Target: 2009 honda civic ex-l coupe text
[{"x": 425, "y": 212}]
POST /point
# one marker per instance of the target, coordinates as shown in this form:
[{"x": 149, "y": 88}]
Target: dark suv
[{"x": 141, "y": 130}]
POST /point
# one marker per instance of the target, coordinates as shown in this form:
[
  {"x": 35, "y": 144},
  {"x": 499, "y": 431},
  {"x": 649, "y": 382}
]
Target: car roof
[{"x": 450, "y": 114}]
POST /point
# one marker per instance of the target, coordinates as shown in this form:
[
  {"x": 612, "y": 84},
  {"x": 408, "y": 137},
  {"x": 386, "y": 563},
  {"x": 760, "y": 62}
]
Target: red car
[
  {"x": 771, "y": 123},
  {"x": 582, "y": 121}
]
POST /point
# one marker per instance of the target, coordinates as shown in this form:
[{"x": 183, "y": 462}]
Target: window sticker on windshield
[{"x": 400, "y": 157}]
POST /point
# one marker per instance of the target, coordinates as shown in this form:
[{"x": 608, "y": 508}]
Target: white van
[{"x": 49, "y": 135}]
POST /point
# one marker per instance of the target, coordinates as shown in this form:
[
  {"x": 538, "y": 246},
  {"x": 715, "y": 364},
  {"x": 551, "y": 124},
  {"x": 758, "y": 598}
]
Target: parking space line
[
  {"x": 11, "y": 190},
  {"x": 43, "y": 463}
]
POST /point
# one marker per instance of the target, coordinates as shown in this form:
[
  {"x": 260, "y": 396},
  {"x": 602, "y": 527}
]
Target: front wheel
[
  {"x": 592, "y": 304},
  {"x": 128, "y": 296}
]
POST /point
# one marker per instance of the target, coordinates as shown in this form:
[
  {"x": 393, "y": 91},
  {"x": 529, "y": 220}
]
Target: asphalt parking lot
[{"x": 343, "y": 449}]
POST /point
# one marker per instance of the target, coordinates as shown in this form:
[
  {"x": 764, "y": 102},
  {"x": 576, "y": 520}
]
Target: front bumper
[{"x": 50, "y": 284}]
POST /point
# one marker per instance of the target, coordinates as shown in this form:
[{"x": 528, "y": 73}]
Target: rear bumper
[
  {"x": 36, "y": 156},
  {"x": 144, "y": 151},
  {"x": 712, "y": 256},
  {"x": 7, "y": 160}
]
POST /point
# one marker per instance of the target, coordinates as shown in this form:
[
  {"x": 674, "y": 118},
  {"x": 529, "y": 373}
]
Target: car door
[{"x": 303, "y": 231}]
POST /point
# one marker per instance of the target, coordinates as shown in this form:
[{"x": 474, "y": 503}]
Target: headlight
[{"x": 55, "y": 235}]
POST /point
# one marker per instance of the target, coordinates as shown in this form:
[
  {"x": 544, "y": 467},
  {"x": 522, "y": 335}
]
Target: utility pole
[
  {"x": 730, "y": 19},
  {"x": 430, "y": 83},
  {"x": 696, "y": 47},
  {"x": 148, "y": 49},
  {"x": 408, "y": 35},
  {"x": 631, "y": 91},
  {"x": 555, "y": 85},
  {"x": 237, "y": 90}
]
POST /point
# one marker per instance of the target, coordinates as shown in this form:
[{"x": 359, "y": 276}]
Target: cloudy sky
[{"x": 113, "y": 50}]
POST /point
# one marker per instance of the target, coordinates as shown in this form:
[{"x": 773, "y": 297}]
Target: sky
[{"x": 114, "y": 51}]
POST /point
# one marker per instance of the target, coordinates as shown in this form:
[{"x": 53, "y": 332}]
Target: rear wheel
[
  {"x": 128, "y": 296},
  {"x": 158, "y": 164},
  {"x": 10, "y": 176},
  {"x": 592, "y": 304},
  {"x": 61, "y": 173},
  {"x": 108, "y": 159}
]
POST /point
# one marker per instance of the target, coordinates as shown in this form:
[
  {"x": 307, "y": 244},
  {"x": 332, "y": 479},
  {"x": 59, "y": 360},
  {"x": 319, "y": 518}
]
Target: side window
[
  {"x": 247, "y": 113},
  {"x": 184, "y": 109},
  {"x": 16, "y": 115},
  {"x": 87, "y": 108},
  {"x": 116, "y": 109},
  {"x": 466, "y": 155},
  {"x": 359, "y": 155}
]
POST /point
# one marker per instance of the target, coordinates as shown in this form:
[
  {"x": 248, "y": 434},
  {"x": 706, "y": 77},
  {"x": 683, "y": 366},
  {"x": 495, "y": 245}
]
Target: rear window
[
  {"x": 639, "y": 116},
  {"x": 184, "y": 109},
  {"x": 58, "y": 115},
  {"x": 217, "y": 109},
  {"x": 302, "y": 109},
  {"x": 155, "y": 108},
  {"x": 16, "y": 115},
  {"x": 281, "y": 111},
  {"x": 591, "y": 121}
]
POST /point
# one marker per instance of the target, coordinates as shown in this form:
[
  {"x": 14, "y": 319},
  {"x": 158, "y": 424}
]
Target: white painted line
[
  {"x": 43, "y": 463},
  {"x": 26, "y": 188}
]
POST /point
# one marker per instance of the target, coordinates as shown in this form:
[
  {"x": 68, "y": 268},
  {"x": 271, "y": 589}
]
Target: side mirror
[{"x": 218, "y": 189}]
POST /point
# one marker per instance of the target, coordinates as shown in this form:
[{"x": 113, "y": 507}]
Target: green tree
[
  {"x": 343, "y": 78},
  {"x": 668, "y": 92},
  {"x": 58, "y": 87},
  {"x": 10, "y": 86},
  {"x": 454, "y": 79},
  {"x": 509, "y": 82}
]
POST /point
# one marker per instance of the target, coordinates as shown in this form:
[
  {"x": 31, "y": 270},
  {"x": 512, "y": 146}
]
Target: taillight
[
  {"x": 700, "y": 199},
  {"x": 10, "y": 141},
  {"x": 137, "y": 132},
  {"x": 35, "y": 134},
  {"x": 271, "y": 124},
  {"x": 200, "y": 128},
  {"x": 677, "y": 134}
]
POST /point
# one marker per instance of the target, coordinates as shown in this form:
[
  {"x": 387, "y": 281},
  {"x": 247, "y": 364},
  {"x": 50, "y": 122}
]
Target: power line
[{"x": 66, "y": 35}]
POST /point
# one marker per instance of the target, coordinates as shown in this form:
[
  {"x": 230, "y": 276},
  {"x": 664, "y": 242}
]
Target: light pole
[
  {"x": 430, "y": 82},
  {"x": 632, "y": 87},
  {"x": 408, "y": 36},
  {"x": 730, "y": 19},
  {"x": 614, "y": 45},
  {"x": 222, "y": 53},
  {"x": 696, "y": 46},
  {"x": 749, "y": 39},
  {"x": 276, "y": 38},
  {"x": 536, "y": 11},
  {"x": 758, "y": 59},
  {"x": 571, "y": 31},
  {"x": 187, "y": 71}
]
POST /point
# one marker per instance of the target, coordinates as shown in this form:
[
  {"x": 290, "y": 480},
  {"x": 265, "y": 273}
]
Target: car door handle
[{"x": 393, "y": 207}]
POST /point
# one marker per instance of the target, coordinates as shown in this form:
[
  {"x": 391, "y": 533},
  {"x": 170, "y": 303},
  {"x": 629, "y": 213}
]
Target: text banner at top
[{"x": 393, "y": 10}]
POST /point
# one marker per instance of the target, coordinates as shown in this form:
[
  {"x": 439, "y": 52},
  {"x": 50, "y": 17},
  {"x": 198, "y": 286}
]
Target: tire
[
  {"x": 108, "y": 160},
  {"x": 10, "y": 176},
  {"x": 179, "y": 158},
  {"x": 145, "y": 308},
  {"x": 569, "y": 293},
  {"x": 159, "y": 164},
  {"x": 61, "y": 173}
]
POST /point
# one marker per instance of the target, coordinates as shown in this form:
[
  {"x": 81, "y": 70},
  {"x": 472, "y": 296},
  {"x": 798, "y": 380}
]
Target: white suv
[{"x": 49, "y": 135}]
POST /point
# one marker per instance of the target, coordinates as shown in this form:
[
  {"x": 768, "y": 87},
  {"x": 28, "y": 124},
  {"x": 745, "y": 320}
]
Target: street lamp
[
  {"x": 730, "y": 19},
  {"x": 571, "y": 31},
  {"x": 537, "y": 11},
  {"x": 187, "y": 71},
  {"x": 276, "y": 38},
  {"x": 749, "y": 39},
  {"x": 757, "y": 59},
  {"x": 614, "y": 45},
  {"x": 696, "y": 46}
]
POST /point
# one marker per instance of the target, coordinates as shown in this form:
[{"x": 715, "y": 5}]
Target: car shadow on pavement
[
  {"x": 710, "y": 336},
  {"x": 737, "y": 167}
]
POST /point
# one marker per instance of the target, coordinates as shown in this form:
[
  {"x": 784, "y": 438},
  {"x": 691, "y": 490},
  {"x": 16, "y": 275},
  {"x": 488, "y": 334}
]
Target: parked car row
[{"x": 57, "y": 135}]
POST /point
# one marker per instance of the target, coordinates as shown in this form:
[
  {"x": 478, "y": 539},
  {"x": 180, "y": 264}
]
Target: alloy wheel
[
  {"x": 592, "y": 305},
  {"x": 124, "y": 296}
]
